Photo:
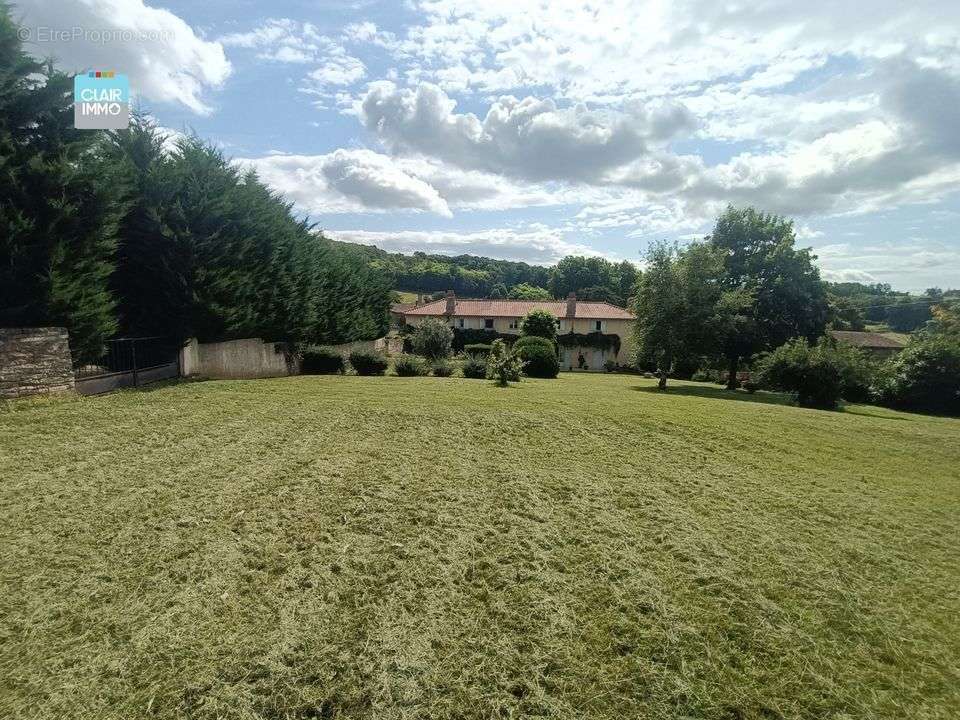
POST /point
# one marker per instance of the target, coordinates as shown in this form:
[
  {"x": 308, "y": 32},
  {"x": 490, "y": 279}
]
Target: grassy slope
[{"x": 387, "y": 547}]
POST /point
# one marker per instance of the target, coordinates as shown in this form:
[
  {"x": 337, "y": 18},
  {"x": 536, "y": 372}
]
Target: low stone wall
[
  {"x": 34, "y": 360},
  {"x": 249, "y": 358},
  {"x": 391, "y": 345}
]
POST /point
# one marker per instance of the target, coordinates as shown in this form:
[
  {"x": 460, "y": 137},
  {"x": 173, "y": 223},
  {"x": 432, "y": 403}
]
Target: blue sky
[{"x": 529, "y": 130}]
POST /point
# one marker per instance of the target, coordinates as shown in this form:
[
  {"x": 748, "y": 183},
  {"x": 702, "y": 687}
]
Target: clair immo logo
[{"x": 101, "y": 101}]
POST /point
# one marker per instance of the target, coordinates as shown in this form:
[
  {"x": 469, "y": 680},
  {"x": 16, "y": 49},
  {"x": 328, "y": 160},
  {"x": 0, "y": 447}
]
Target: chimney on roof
[
  {"x": 451, "y": 302},
  {"x": 572, "y": 305}
]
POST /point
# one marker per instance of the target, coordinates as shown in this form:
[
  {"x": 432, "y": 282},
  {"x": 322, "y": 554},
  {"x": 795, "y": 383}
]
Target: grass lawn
[{"x": 323, "y": 547}]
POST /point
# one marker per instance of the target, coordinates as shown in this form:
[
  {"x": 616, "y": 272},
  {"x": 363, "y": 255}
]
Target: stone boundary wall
[
  {"x": 249, "y": 358},
  {"x": 391, "y": 345},
  {"x": 34, "y": 361}
]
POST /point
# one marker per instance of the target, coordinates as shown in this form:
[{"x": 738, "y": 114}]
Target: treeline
[
  {"x": 592, "y": 278},
  {"x": 747, "y": 294},
  {"x": 855, "y": 305},
  {"x": 112, "y": 233}
]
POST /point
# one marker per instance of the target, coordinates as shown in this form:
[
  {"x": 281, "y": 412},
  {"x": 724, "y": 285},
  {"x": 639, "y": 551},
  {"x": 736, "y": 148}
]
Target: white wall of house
[{"x": 593, "y": 357}]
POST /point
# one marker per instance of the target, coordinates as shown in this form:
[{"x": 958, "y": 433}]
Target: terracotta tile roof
[
  {"x": 518, "y": 308},
  {"x": 866, "y": 339},
  {"x": 401, "y": 308}
]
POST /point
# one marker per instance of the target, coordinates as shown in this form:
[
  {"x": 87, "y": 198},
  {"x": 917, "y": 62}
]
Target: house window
[
  {"x": 460, "y": 323},
  {"x": 488, "y": 323},
  {"x": 561, "y": 325},
  {"x": 515, "y": 324},
  {"x": 598, "y": 325}
]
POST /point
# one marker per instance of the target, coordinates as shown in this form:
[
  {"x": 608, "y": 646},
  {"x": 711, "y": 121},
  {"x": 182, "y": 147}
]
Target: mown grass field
[{"x": 420, "y": 547}]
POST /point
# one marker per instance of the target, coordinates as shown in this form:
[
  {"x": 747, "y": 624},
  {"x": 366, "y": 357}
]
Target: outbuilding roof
[{"x": 866, "y": 339}]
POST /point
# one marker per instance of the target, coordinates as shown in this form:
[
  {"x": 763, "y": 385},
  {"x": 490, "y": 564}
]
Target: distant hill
[{"x": 591, "y": 278}]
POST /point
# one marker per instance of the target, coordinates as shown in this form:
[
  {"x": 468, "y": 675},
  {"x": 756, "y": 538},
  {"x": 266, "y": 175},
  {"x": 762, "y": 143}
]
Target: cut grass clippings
[{"x": 356, "y": 547}]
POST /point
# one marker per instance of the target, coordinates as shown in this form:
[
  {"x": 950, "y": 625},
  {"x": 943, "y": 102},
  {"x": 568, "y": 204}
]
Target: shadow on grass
[
  {"x": 717, "y": 393},
  {"x": 879, "y": 413},
  {"x": 766, "y": 398}
]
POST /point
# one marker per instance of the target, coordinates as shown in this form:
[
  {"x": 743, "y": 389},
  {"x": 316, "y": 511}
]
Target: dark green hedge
[
  {"x": 368, "y": 363},
  {"x": 321, "y": 361},
  {"x": 597, "y": 340},
  {"x": 478, "y": 337}
]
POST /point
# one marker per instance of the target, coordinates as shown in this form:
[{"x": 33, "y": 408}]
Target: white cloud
[
  {"x": 347, "y": 181},
  {"x": 528, "y": 138},
  {"x": 359, "y": 180},
  {"x": 913, "y": 264},
  {"x": 290, "y": 41},
  {"x": 163, "y": 56}
]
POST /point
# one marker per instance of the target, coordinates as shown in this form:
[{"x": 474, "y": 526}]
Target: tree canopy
[
  {"x": 788, "y": 297},
  {"x": 105, "y": 232}
]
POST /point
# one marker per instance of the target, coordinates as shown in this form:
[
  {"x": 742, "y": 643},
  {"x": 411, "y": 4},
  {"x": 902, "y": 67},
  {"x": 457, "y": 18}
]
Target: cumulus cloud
[
  {"x": 285, "y": 40},
  {"x": 360, "y": 180},
  {"x": 163, "y": 56},
  {"x": 347, "y": 181},
  {"x": 529, "y": 138}
]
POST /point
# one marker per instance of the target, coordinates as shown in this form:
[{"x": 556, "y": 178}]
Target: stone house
[{"x": 596, "y": 331}]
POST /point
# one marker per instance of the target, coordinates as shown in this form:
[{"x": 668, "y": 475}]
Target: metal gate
[{"x": 129, "y": 362}]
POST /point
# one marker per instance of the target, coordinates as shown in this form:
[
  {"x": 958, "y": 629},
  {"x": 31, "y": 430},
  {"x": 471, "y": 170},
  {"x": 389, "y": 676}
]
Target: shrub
[
  {"x": 751, "y": 386},
  {"x": 539, "y": 356},
  {"x": 321, "y": 361},
  {"x": 811, "y": 374},
  {"x": 475, "y": 366},
  {"x": 502, "y": 365},
  {"x": 540, "y": 323},
  {"x": 442, "y": 368},
  {"x": 477, "y": 349},
  {"x": 432, "y": 339},
  {"x": 609, "y": 365},
  {"x": 368, "y": 363},
  {"x": 410, "y": 366},
  {"x": 539, "y": 362},
  {"x": 474, "y": 336},
  {"x": 527, "y": 341},
  {"x": 858, "y": 372},
  {"x": 925, "y": 376}
]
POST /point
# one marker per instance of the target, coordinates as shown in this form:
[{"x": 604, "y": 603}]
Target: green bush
[
  {"x": 410, "y": 366},
  {"x": 707, "y": 375},
  {"x": 526, "y": 341},
  {"x": 474, "y": 336},
  {"x": 432, "y": 339},
  {"x": 475, "y": 366},
  {"x": 811, "y": 374},
  {"x": 477, "y": 349},
  {"x": 442, "y": 368},
  {"x": 539, "y": 356},
  {"x": 858, "y": 372},
  {"x": 540, "y": 323},
  {"x": 540, "y": 362},
  {"x": 924, "y": 376},
  {"x": 368, "y": 363},
  {"x": 321, "y": 361},
  {"x": 502, "y": 365},
  {"x": 609, "y": 365}
]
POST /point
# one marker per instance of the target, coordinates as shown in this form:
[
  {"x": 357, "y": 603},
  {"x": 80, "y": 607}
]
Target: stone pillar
[{"x": 34, "y": 360}]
